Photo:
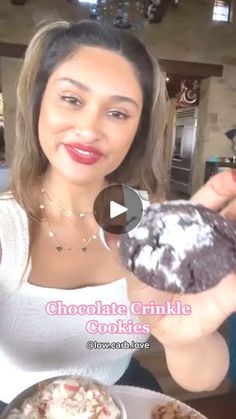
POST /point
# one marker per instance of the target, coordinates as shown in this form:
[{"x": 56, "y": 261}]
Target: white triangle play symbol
[{"x": 116, "y": 209}]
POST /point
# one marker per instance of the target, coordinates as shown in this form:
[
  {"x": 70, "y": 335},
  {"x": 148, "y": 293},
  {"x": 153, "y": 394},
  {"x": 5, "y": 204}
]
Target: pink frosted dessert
[{"x": 75, "y": 398}]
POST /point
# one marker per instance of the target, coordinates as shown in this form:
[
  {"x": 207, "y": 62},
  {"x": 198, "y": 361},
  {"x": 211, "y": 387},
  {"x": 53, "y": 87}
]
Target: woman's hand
[
  {"x": 197, "y": 356},
  {"x": 210, "y": 308}
]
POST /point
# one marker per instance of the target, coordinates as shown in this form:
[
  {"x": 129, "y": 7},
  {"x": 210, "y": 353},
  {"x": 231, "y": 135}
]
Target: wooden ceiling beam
[
  {"x": 8, "y": 49},
  {"x": 188, "y": 68},
  {"x": 18, "y": 2},
  {"x": 182, "y": 68}
]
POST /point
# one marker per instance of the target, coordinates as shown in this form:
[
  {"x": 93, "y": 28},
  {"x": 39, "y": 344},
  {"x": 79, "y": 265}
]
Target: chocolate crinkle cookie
[{"x": 180, "y": 247}]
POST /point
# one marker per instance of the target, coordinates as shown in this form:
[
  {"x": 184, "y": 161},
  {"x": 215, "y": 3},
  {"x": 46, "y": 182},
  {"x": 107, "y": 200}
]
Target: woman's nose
[{"x": 88, "y": 125}]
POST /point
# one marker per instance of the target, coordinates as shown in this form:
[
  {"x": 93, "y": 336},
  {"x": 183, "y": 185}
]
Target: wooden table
[{"x": 217, "y": 407}]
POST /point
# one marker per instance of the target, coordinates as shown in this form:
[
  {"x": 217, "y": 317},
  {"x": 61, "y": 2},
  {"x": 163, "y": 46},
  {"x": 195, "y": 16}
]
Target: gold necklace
[
  {"x": 65, "y": 211},
  {"x": 52, "y": 234}
]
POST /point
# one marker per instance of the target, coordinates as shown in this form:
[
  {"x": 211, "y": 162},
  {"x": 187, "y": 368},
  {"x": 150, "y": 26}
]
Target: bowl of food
[
  {"x": 66, "y": 397},
  {"x": 149, "y": 404},
  {"x": 173, "y": 410}
]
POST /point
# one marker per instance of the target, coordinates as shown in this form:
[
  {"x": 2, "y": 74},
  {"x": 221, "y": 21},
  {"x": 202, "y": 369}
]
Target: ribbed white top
[{"x": 35, "y": 345}]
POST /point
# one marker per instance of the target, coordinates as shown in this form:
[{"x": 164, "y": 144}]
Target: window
[
  {"x": 222, "y": 11},
  {"x": 88, "y": 1}
]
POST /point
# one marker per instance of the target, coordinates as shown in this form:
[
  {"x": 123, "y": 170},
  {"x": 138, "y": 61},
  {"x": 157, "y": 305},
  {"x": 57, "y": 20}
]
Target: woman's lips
[
  {"x": 82, "y": 156},
  {"x": 83, "y": 147}
]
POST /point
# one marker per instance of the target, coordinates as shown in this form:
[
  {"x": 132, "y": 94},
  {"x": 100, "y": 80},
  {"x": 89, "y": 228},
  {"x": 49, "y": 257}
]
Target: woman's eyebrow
[{"x": 85, "y": 88}]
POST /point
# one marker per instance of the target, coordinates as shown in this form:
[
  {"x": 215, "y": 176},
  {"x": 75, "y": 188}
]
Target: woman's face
[{"x": 89, "y": 114}]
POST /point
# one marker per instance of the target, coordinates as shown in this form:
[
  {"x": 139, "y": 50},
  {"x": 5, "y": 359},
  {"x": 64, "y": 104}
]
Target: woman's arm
[{"x": 200, "y": 366}]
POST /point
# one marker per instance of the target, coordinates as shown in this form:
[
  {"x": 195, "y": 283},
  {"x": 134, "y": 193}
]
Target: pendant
[
  {"x": 59, "y": 248},
  {"x": 84, "y": 249}
]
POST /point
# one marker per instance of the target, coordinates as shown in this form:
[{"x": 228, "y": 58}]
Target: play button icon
[{"x": 118, "y": 209}]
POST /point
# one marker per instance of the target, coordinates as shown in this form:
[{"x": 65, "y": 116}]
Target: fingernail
[
  {"x": 102, "y": 238},
  {"x": 233, "y": 173}
]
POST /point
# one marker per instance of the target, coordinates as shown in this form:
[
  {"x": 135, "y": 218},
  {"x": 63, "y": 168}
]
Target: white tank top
[{"x": 35, "y": 345}]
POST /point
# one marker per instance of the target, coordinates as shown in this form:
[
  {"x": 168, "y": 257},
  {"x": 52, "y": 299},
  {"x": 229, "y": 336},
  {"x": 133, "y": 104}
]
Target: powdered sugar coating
[{"x": 179, "y": 247}]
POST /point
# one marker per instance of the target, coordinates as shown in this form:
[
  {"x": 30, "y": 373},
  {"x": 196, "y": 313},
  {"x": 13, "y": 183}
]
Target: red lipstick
[{"x": 83, "y": 154}]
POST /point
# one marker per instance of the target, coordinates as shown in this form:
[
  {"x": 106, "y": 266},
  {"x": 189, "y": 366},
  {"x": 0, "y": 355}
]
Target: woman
[
  {"x": 89, "y": 90},
  {"x": 91, "y": 112}
]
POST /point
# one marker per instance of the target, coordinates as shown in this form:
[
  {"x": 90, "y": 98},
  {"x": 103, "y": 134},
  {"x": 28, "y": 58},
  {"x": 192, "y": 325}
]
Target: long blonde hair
[{"x": 146, "y": 164}]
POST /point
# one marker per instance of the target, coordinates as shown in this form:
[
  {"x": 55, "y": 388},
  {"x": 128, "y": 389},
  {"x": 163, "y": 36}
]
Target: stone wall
[
  {"x": 217, "y": 114},
  {"x": 189, "y": 34},
  {"x": 186, "y": 34}
]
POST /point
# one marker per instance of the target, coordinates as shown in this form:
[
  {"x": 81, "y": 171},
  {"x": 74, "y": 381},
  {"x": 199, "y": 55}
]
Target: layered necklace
[{"x": 81, "y": 215}]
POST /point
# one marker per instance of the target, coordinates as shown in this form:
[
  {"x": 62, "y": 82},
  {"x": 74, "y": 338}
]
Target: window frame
[{"x": 222, "y": 3}]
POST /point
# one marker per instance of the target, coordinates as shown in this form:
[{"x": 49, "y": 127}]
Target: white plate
[{"x": 139, "y": 402}]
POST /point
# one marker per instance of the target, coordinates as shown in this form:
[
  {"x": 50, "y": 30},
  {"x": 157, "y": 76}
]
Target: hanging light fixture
[
  {"x": 175, "y": 3},
  {"x": 125, "y": 14}
]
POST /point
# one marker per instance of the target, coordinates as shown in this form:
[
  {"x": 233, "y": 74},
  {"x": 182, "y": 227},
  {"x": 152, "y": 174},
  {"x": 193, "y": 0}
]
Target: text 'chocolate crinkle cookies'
[{"x": 180, "y": 247}]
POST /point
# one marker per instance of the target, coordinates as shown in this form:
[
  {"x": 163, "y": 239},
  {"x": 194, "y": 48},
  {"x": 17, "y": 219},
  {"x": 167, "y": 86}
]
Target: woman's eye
[
  {"x": 71, "y": 100},
  {"x": 118, "y": 114}
]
